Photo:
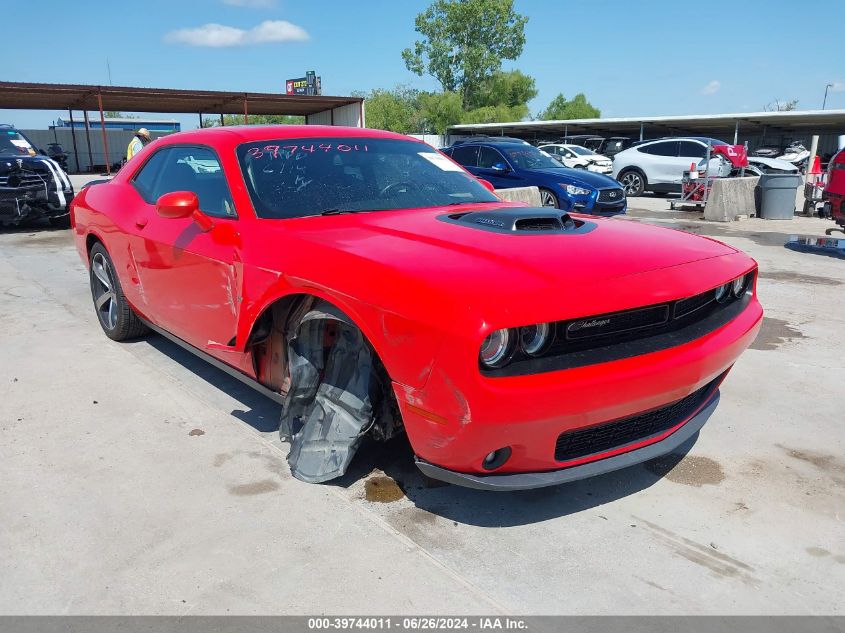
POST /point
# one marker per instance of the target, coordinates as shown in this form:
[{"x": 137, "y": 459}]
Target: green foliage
[
  {"x": 464, "y": 41},
  {"x": 504, "y": 88},
  {"x": 114, "y": 114},
  {"x": 496, "y": 114},
  {"x": 254, "y": 119},
  {"x": 781, "y": 106},
  {"x": 440, "y": 110},
  {"x": 396, "y": 110},
  {"x": 578, "y": 108}
]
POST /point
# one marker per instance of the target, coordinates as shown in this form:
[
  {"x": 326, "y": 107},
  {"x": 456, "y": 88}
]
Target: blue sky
[{"x": 631, "y": 58}]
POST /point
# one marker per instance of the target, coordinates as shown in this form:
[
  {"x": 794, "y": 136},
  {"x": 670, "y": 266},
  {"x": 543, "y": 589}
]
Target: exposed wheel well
[
  {"x": 279, "y": 323},
  {"x": 90, "y": 241}
]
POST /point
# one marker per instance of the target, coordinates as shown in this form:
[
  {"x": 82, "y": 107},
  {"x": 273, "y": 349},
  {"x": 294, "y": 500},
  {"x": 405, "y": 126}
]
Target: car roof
[
  {"x": 237, "y": 134},
  {"x": 701, "y": 139}
]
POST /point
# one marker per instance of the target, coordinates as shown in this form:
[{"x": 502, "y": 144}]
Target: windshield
[
  {"x": 13, "y": 142},
  {"x": 528, "y": 157},
  {"x": 291, "y": 178},
  {"x": 582, "y": 151}
]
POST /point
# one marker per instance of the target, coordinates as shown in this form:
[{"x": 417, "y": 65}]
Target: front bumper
[{"x": 525, "y": 481}]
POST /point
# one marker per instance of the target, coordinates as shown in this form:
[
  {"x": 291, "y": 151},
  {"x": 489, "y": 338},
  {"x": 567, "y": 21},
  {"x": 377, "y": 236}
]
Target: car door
[
  {"x": 492, "y": 166},
  {"x": 664, "y": 165},
  {"x": 189, "y": 279}
]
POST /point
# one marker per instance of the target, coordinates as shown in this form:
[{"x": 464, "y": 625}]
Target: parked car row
[{"x": 507, "y": 163}]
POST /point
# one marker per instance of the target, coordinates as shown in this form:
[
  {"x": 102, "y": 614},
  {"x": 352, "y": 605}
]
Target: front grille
[
  {"x": 608, "y": 435},
  {"x": 616, "y": 323},
  {"x": 25, "y": 180},
  {"x": 611, "y": 195}
]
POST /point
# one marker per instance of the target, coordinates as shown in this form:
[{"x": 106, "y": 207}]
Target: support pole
[
  {"x": 200, "y": 115},
  {"x": 222, "y": 123},
  {"x": 103, "y": 128},
  {"x": 641, "y": 131},
  {"x": 88, "y": 140},
  {"x": 246, "y": 111},
  {"x": 73, "y": 136},
  {"x": 736, "y": 133}
]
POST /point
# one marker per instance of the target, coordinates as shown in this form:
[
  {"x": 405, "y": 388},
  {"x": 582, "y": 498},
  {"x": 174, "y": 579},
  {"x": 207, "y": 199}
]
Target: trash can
[{"x": 777, "y": 195}]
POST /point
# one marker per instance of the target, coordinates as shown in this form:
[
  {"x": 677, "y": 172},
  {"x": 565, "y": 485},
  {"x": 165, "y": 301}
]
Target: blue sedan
[{"x": 518, "y": 164}]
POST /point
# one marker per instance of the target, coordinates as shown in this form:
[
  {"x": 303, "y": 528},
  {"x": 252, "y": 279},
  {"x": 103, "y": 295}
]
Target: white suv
[
  {"x": 578, "y": 157},
  {"x": 659, "y": 165}
]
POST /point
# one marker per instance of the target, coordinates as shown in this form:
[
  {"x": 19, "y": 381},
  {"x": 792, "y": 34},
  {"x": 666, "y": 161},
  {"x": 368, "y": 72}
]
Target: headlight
[
  {"x": 740, "y": 285},
  {"x": 722, "y": 293},
  {"x": 572, "y": 190},
  {"x": 534, "y": 338},
  {"x": 496, "y": 348}
]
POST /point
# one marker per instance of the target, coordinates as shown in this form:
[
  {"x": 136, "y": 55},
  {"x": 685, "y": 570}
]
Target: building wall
[{"x": 348, "y": 115}]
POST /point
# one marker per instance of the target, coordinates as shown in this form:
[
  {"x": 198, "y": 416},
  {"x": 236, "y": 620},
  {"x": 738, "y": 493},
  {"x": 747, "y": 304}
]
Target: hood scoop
[{"x": 520, "y": 221}]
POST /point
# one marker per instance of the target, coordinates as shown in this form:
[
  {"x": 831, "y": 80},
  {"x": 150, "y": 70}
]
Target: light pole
[{"x": 825, "y": 94}]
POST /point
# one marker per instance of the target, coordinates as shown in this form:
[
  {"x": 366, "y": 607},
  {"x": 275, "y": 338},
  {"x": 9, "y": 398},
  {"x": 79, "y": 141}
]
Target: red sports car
[{"x": 374, "y": 287}]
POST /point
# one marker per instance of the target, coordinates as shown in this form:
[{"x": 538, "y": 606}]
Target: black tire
[
  {"x": 633, "y": 181},
  {"x": 60, "y": 222},
  {"x": 116, "y": 316},
  {"x": 549, "y": 199}
]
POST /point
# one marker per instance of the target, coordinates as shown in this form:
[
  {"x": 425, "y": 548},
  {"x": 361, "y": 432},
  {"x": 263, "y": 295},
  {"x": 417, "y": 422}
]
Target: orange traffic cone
[{"x": 817, "y": 166}]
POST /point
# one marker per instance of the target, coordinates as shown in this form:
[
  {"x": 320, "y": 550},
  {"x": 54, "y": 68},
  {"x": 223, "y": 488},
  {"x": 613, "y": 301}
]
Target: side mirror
[
  {"x": 177, "y": 204},
  {"x": 183, "y": 204},
  {"x": 487, "y": 185},
  {"x": 500, "y": 167}
]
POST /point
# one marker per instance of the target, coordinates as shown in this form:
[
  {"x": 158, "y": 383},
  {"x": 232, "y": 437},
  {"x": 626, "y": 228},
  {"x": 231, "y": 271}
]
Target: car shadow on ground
[
  {"x": 501, "y": 509},
  {"x": 258, "y": 411},
  {"x": 393, "y": 461}
]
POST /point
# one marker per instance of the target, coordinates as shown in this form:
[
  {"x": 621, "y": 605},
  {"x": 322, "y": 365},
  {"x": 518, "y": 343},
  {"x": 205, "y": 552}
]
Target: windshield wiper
[{"x": 339, "y": 211}]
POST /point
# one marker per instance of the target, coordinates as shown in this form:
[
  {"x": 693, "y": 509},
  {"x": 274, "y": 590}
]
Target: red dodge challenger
[{"x": 373, "y": 287}]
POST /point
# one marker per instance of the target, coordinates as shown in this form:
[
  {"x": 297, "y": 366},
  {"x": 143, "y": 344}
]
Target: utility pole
[{"x": 826, "y": 88}]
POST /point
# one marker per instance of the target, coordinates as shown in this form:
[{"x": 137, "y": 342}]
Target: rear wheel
[
  {"x": 549, "y": 199},
  {"x": 114, "y": 313},
  {"x": 633, "y": 182}
]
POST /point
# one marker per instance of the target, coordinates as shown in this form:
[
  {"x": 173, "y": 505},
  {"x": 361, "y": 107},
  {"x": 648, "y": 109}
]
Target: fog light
[{"x": 496, "y": 458}]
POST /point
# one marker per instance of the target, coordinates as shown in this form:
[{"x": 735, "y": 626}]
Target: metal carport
[{"x": 37, "y": 96}]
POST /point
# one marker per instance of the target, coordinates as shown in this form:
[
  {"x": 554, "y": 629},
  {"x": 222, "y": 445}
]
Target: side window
[
  {"x": 667, "y": 148},
  {"x": 464, "y": 155},
  {"x": 693, "y": 150},
  {"x": 196, "y": 169},
  {"x": 487, "y": 157},
  {"x": 145, "y": 180}
]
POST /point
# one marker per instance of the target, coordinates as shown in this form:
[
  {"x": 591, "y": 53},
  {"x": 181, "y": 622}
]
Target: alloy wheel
[
  {"x": 547, "y": 198},
  {"x": 632, "y": 182},
  {"x": 102, "y": 285}
]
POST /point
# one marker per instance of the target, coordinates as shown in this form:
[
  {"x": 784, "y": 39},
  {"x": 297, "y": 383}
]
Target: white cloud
[
  {"x": 712, "y": 87},
  {"x": 220, "y": 35},
  {"x": 251, "y": 4}
]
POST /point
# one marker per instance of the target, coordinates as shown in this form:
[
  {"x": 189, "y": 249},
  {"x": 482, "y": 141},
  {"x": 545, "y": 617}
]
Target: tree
[
  {"x": 777, "y": 106},
  {"x": 396, "y": 110},
  {"x": 440, "y": 110},
  {"x": 465, "y": 41},
  {"x": 578, "y": 108},
  {"x": 511, "y": 88},
  {"x": 254, "y": 119},
  {"x": 114, "y": 114}
]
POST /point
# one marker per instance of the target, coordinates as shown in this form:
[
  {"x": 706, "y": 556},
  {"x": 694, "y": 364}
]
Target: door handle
[{"x": 141, "y": 222}]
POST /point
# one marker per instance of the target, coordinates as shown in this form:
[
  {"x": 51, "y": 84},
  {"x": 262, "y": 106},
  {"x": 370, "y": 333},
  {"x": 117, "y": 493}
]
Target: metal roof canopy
[
  {"x": 70, "y": 97},
  {"x": 824, "y": 121},
  {"x": 36, "y": 96}
]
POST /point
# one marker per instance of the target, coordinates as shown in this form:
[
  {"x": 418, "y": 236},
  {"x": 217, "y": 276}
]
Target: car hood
[
  {"x": 421, "y": 252},
  {"x": 580, "y": 177}
]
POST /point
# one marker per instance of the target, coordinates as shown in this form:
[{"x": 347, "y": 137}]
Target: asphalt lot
[{"x": 139, "y": 480}]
